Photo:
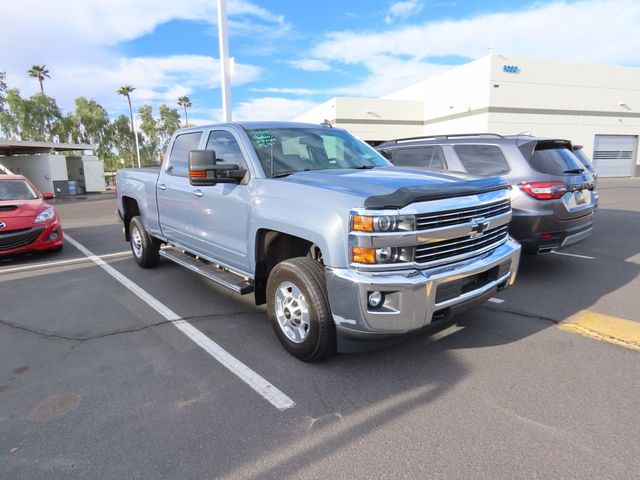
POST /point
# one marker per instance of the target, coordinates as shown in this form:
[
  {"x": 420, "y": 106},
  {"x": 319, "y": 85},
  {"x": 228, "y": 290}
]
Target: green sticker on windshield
[{"x": 263, "y": 138}]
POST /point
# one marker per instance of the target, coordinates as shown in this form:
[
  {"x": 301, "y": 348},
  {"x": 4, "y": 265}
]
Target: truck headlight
[
  {"x": 45, "y": 215},
  {"x": 385, "y": 255},
  {"x": 382, "y": 223}
]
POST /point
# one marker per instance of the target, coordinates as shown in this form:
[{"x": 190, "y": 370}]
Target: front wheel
[
  {"x": 145, "y": 249},
  {"x": 299, "y": 309}
]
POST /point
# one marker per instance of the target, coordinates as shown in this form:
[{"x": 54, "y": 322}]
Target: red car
[{"x": 27, "y": 223}]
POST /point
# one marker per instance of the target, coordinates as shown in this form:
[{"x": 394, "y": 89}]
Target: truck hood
[{"x": 396, "y": 187}]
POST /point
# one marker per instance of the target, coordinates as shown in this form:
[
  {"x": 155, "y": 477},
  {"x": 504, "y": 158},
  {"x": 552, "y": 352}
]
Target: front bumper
[
  {"x": 414, "y": 298},
  {"x": 36, "y": 239}
]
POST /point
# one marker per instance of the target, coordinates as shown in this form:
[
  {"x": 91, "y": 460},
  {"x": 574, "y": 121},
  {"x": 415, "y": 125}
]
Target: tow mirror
[
  {"x": 204, "y": 169},
  {"x": 48, "y": 196}
]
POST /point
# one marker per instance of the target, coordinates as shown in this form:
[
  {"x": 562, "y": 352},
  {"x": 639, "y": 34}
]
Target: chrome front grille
[
  {"x": 451, "y": 250},
  {"x": 462, "y": 215}
]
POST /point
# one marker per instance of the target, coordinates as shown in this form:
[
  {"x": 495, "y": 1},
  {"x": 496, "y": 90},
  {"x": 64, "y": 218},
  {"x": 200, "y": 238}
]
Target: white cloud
[
  {"x": 310, "y": 65},
  {"x": 578, "y": 31},
  {"x": 271, "y": 108},
  {"x": 289, "y": 90},
  {"x": 404, "y": 9},
  {"x": 78, "y": 40}
]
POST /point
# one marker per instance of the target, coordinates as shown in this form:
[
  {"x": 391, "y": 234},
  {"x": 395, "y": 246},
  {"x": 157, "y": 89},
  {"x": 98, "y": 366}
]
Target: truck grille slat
[
  {"x": 461, "y": 216},
  {"x": 466, "y": 245}
]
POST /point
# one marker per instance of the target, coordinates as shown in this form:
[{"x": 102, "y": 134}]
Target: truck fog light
[
  {"x": 53, "y": 236},
  {"x": 375, "y": 299}
]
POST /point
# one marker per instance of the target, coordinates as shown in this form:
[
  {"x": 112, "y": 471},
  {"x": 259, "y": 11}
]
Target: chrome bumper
[{"x": 410, "y": 296}]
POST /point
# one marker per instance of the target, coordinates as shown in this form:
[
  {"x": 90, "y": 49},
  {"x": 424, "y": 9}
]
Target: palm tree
[
  {"x": 126, "y": 91},
  {"x": 40, "y": 72},
  {"x": 185, "y": 102}
]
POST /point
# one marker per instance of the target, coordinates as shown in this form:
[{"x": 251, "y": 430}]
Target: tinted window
[
  {"x": 582, "y": 157},
  {"x": 178, "y": 160},
  {"x": 16, "y": 190},
  {"x": 555, "y": 161},
  {"x": 226, "y": 147},
  {"x": 424, "y": 157},
  {"x": 482, "y": 160}
]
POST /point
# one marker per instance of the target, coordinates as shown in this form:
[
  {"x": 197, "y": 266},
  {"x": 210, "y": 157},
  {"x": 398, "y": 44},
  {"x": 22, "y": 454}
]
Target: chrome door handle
[
  {"x": 197, "y": 193},
  {"x": 162, "y": 186}
]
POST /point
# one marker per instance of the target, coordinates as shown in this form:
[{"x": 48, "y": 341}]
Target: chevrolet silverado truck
[{"x": 345, "y": 249}]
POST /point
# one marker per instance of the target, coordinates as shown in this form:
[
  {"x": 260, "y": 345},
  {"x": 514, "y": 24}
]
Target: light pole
[
  {"x": 135, "y": 136},
  {"x": 225, "y": 74}
]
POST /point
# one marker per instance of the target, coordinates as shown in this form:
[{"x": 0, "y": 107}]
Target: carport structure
[{"x": 49, "y": 170}]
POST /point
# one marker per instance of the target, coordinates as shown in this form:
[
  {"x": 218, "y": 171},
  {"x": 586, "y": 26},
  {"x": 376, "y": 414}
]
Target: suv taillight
[{"x": 544, "y": 190}]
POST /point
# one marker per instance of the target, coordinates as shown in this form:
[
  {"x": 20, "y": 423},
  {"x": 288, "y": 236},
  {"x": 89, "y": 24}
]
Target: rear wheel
[
  {"x": 299, "y": 309},
  {"x": 145, "y": 248}
]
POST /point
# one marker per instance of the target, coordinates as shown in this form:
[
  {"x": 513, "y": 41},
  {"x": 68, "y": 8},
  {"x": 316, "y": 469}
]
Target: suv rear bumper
[
  {"x": 414, "y": 298},
  {"x": 528, "y": 230}
]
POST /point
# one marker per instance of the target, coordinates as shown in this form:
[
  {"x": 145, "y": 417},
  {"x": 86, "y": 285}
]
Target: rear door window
[
  {"x": 424, "y": 157},
  {"x": 555, "y": 161},
  {"x": 482, "y": 160},
  {"x": 179, "y": 157}
]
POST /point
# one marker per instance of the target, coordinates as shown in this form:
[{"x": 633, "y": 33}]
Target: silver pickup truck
[{"x": 345, "y": 249}]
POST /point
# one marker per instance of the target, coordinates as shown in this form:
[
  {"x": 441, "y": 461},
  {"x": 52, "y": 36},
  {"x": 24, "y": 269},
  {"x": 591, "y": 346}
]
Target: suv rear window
[
  {"x": 554, "y": 161},
  {"x": 582, "y": 157},
  {"x": 482, "y": 160},
  {"x": 423, "y": 157}
]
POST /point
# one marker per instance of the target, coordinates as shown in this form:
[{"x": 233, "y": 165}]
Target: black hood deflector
[{"x": 421, "y": 193}]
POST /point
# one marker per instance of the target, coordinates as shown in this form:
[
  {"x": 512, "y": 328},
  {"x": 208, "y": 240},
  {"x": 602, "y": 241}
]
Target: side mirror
[
  {"x": 48, "y": 196},
  {"x": 204, "y": 170}
]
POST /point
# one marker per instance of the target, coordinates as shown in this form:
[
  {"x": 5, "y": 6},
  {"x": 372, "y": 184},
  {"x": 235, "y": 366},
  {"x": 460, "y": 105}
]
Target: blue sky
[{"x": 291, "y": 55}]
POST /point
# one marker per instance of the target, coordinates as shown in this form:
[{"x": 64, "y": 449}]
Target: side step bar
[{"x": 230, "y": 280}]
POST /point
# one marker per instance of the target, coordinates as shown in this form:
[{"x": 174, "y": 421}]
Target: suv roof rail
[{"x": 448, "y": 136}]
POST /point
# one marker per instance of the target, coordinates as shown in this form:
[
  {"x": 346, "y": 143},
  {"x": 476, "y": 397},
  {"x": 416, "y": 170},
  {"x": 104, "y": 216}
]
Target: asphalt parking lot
[{"x": 96, "y": 383}]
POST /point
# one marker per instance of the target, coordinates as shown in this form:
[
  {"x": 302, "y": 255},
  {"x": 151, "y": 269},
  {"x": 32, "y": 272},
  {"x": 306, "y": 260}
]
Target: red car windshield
[{"x": 16, "y": 190}]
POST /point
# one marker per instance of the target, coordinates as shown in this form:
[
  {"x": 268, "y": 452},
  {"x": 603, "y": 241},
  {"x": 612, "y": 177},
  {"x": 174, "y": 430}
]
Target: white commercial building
[{"x": 596, "y": 106}]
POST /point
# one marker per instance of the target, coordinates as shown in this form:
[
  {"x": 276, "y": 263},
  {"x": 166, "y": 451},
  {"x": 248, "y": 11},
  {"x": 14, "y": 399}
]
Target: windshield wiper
[
  {"x": 290, "y": 172},
  {"x": 574, "y": 170},
  {"x": 364, "y": 167}
]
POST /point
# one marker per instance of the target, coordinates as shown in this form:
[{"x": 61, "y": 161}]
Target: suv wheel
[
  {"x": 145, "y": 249},
  {"x": 299, "y": 309}
]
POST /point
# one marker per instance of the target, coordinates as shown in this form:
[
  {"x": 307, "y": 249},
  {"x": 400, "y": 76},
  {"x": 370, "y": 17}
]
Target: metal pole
[
  {"x": 135, "y": 135},
  {"x": 224, "y": 60}
]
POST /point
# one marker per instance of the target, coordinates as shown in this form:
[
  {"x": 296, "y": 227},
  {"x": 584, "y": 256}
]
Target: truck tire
[
  {"x": 145, "y": 249},
  {"x": 299, "y": 310}
]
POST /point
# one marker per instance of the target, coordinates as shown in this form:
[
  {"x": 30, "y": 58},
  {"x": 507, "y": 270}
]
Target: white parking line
[
  {"x": 495, "y": 300},
  {"x": 251, "y": 378},
  {"x": 574, "y": 255},
  {"x": 36, "y": 266}
]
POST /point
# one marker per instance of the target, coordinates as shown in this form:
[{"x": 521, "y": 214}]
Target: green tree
[
  {"x": 5, "y": 115},
  {"x": 149, "y": 128},
  {"x": 169, "y": 122},
  {"x": 123, "y": 142},
  {"x": 39, "y": 72},
  {"x": 185, "y": 102},
  {"x": 126, "y": 91}
]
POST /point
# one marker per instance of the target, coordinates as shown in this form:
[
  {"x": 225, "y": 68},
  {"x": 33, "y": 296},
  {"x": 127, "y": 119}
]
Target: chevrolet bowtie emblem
[{"x": 478, "y": 226}]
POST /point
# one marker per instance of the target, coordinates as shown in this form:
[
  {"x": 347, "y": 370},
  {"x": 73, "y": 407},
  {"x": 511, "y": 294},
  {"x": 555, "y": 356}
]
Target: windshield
[
  {"x": 16, "y": 190},
  {"x": 283, "y": 151}
]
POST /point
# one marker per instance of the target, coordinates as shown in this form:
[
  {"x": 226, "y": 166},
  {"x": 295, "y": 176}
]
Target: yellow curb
[{"x": 618, "y": 331}]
